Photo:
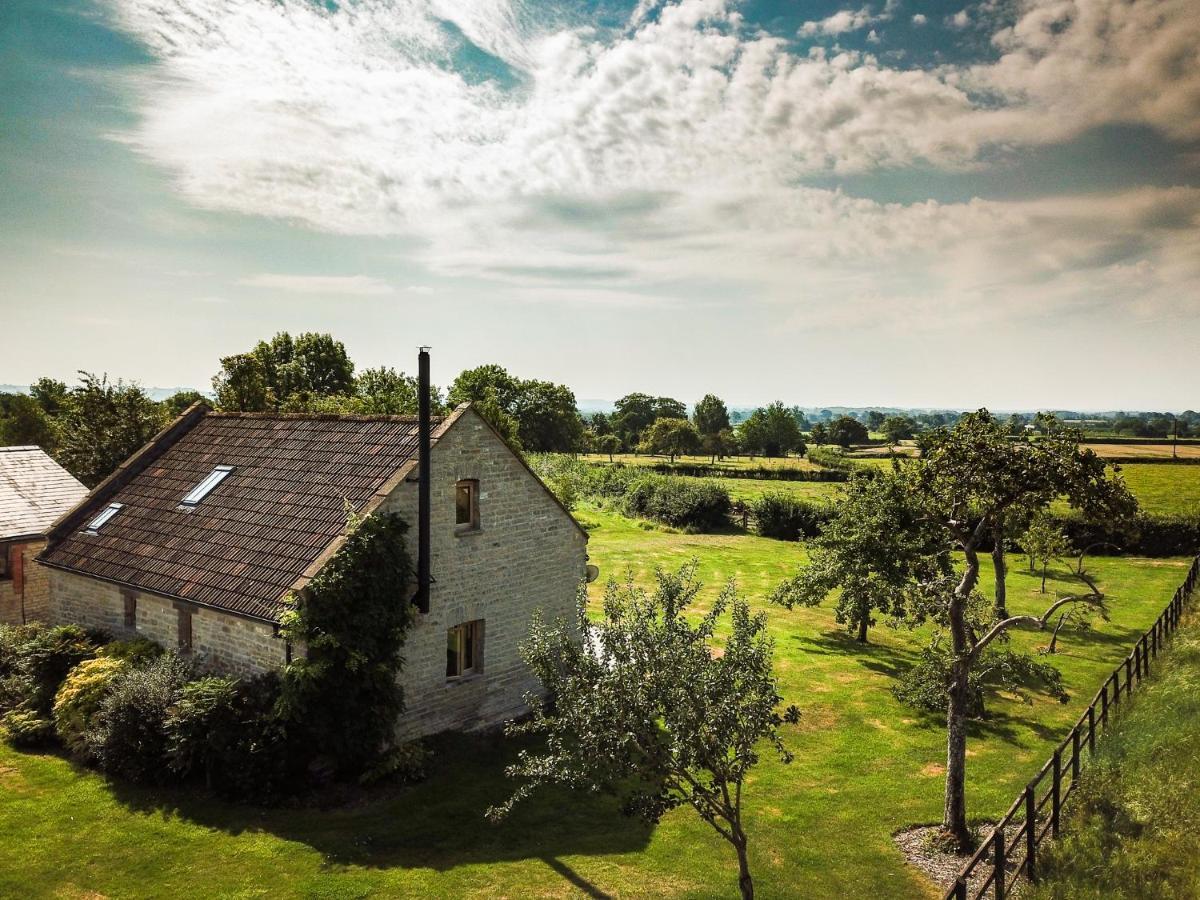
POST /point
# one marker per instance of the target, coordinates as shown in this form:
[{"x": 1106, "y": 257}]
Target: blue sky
[{"x": 897, "y": 203}]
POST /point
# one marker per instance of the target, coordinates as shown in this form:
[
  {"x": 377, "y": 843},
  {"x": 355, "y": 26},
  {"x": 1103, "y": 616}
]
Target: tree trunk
[
  {"x": 1045, "y": 565},
  {"x": 1054, "y": 637},
  {"x": 954, "y": 813},
  {"x": 862, "y": 630},
  {"x": 745, "y": 882},
  {"x": 1001, "y": 567}
]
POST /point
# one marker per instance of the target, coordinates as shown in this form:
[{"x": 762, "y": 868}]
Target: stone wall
[
  {"x": 527, "y": 554},
  {"x": 221, "y": 642},
  {"x": 26, "y": 596}
]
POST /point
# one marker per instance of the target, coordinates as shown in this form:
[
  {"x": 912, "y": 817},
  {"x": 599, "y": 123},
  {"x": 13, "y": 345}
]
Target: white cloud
[
  {"x": 624, "y": 164},
  {"x": 960, "y": 19},
  {"x": 348, "y": 285},
  {"x": 919, "y": 19}
]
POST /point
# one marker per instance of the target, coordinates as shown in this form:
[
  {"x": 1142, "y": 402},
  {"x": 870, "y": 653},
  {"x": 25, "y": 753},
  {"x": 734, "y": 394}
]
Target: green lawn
[
  {"x": 1165, "y": 487},
  {"x": 822, "y": 827}
]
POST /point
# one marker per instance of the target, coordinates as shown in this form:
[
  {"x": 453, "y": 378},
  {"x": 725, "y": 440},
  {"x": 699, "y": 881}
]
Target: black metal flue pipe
[{"x": 423, "y": 500}]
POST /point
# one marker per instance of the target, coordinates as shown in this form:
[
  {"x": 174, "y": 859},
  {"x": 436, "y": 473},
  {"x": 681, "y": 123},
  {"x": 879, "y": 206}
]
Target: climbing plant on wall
[{"x": 340, "y": 696}]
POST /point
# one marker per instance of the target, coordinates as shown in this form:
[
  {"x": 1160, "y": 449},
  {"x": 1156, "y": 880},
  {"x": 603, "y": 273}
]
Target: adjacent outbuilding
[{"x": 34, "y": 492}]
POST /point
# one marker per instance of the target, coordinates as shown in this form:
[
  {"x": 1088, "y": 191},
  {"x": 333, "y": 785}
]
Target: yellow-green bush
[{"x": 78, "y": 700}]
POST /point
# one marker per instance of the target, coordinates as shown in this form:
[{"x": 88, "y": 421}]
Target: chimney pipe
[{"x": 423, "y": 500}]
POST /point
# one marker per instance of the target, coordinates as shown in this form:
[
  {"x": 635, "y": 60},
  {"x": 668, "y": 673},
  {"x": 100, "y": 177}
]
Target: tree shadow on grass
[
  {"x": 885, "y": 659},
  {"x": 436, "y": 824}
]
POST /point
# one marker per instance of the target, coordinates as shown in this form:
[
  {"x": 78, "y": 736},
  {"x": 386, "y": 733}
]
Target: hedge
[
  {"x": 690, "y": 503},
  {"x": 786, "y": 517}
]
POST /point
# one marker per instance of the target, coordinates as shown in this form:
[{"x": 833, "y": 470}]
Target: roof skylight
[
  {"x": 101, "y": 520},
  {"x": 204, "y": 488}
]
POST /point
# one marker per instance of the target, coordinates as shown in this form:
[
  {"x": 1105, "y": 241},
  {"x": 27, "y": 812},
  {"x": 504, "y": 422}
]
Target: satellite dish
[{"x": 593, "y": 572}]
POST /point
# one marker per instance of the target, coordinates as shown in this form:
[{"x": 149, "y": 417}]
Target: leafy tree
[
  {"x": 23, "y": 421},
  {"x": 610, "y": 444},
  {"x": 241, "y": 385},
  {"x": 387, "y": 392},
  {"x": 897, "y": 429},
  {"x": 174, "y": 405},
  {"x": 721, "y": 444},
  {"x": 873, "y": 550},
  {"x": 971, "y": 476},
  {"x": 772, "y": 431},
  {"x": 845, "y": 431},
  {"x": 104, "y": 424},
  {"x": 819, "y": 434},
  {"x": 671, "y": 437},
  {"x": 637, "y": 412},
  {"x": 484, "y": 382},
  {"x": 646, "y": 709},
  {"x": 875, "y": 420},
  {"x": 547, "y": 420},
  {"x": 51, "y": 395},
  {"x": 599, "y": 424},
  {"x": 1043, "y": 542},
  {"x": 710, "y": 415}
]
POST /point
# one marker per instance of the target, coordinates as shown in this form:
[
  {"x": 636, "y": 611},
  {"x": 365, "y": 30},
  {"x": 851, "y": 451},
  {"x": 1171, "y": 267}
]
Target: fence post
[
  {"x": 998, "y": 853},
  {"x": 1117, "y": 684},
  {"x": 1074, "y": 755},
  {"x": 1104, "y": 702},
  {"x": 960, "y": 888},
  {"x": 1056, "y": 793},
  {"x": 1129, "y": 671},
  {"x": 1092, "y": 729},
  {"x": 1030, "y": 833}
]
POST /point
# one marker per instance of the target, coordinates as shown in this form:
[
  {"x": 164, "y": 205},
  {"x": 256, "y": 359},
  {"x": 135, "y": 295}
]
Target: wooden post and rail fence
[{"x": 1011, "y": 849}]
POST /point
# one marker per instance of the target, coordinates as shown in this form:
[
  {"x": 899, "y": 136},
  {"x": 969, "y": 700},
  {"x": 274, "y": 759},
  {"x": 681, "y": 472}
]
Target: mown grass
[
  {"x": 865, "y": 766},
  {"x": 1134, "y": 829},
  {"x": 1164, "y": 488},
  {"x": 729, "y": 462}
]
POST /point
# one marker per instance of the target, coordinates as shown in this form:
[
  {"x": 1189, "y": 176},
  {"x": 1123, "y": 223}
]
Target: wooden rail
[{"x": 1011, "y": 849}]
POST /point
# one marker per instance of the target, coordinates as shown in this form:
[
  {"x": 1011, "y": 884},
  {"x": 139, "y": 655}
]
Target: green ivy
[{"x": 341, "y": 697}]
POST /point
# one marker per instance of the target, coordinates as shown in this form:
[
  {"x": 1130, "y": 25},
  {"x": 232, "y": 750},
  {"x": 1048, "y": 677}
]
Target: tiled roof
[
  {"x": 34, "y": 491},
  {"x": 248, "y": 542}
]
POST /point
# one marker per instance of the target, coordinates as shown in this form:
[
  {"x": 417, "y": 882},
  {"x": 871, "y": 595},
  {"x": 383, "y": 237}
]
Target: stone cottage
[
  {"x": 34, "y": 492},
  {"x": 198, "y": 538}
]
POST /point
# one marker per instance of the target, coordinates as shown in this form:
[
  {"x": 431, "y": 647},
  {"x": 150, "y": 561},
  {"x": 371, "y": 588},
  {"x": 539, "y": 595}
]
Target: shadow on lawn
[{"x": 436, "y": 824}]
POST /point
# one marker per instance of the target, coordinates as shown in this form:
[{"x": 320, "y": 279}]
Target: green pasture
[{"x": 865, "y": 766}]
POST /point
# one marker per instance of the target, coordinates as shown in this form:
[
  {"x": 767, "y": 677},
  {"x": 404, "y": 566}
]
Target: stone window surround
[
  {"x": 471, "y": 524},
  {"x": 473, "y": 632}
]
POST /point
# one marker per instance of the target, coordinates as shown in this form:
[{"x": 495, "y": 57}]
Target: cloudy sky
[{"x": 892, "y": 202}]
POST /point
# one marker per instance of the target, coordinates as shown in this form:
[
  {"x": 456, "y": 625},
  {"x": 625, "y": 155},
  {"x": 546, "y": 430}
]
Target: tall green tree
[
  {"x": 710, "y": 415},
  {"x": 845, "y": 431},
  {"x": 24, "y": 422},
  {"x": 174, "y": 405},
  {"x": 670, "y": 437},
  {"x": 51, "y": 395},
  {"x": 970, "y": 477},
  {"x": 871, "y": 552},
  {"x": 772, "y": 431},
  {"x": 103, "y": 425},
  {"x": 875, "y": 420},
  {"x": 645, "y": 707},
  {"x": 285, "y": 373},
  {"x": 897, "y": 429},
  {"x": 241, "y": 385},
  {"x": 547, "y": 418}
]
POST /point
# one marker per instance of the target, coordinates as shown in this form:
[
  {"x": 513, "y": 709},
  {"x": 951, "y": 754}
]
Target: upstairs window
[
  {"x": 101, "y": 520},
  {"x": 204, "y": 488},
  {"x": 464, "y": 649},
  {"x": 466, "y": 505}
]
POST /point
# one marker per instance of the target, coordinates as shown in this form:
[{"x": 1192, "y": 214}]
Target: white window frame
[
  {"x": 104, "y": 517},
  {"x": 206, "y": 487}
]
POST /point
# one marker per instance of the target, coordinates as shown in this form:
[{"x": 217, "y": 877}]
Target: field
[
  {"x": 729, "y": 462},
  {"x": 865, "y": 766},
  {"x": 1165, "y": 488},
  {"x": 1144, "y": 451}
]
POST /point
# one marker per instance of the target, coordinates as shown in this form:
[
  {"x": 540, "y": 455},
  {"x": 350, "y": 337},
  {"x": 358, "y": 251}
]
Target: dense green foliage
[
  {"x": 341, "y": 699},
  {"x": 648, "y": 707},
  {"x": 771, "y": 431},
  {"x": 786, "y": 517},
  {"x": 532, "y": 415},
  {"x": 77, "y": 703},
  {"x": 127, "y": 736}
]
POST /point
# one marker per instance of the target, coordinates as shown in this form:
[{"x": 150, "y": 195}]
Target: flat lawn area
[
  {"x": 1165, "y": 488},
  {"x": 865, "y": 767},
  {"x": 753, "y": 488}
]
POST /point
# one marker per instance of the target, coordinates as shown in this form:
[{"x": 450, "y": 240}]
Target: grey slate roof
[{"x": 34, "y": 491}]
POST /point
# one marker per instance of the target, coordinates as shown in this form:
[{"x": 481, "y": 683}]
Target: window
[
  {"x": 466, "y": 505},
  {"x": 204, "y": 488},
  {"x": 5, "y": 565},
  {"x": 464, "y": 649},
  {"x": 101, "y": 520},
  {"x": 185, "y": 629},
  {"x": 130, "y": 599}
]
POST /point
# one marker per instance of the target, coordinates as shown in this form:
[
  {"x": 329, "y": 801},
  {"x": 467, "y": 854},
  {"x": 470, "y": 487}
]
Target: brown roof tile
[{"x": 254, "y": 536}]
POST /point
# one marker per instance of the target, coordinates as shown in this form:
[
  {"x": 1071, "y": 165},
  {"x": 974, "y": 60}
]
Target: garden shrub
[
  {"x": 786, "y": 517},
  {"x": 78, "y": 700},
  {"x": 690, "y": 503},
  {"x": 405, "y": 762},
  {"x": 34, "y": 662},
  {"x": 26, "y": 728},
  {"x": 128, "y": 737},
  {"x": 138, "y": 651}
]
